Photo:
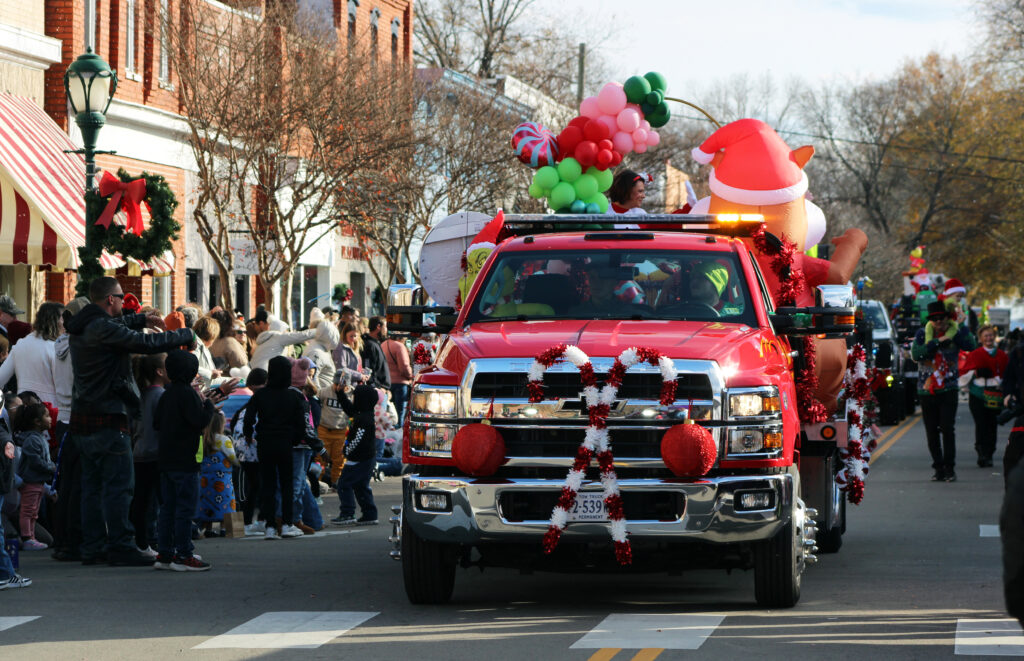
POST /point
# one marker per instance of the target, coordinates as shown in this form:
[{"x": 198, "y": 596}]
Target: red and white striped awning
[{"x": 42, "y": 209}]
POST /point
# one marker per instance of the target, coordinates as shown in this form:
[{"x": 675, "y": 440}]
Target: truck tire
[
  {"x": 778, "y": 565},
  {"x": 910, "y": 395},
  {"x": 428, "y": 568},
  {"x": 900, "y": 400},
  {"x": 888, "y": 413},
  {"x": 830, "y": 538}
]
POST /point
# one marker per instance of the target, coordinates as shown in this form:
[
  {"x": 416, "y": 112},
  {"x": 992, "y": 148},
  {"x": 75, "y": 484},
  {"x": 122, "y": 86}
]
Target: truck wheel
[
  {"x": 830, "y": 538},
  {"x": 779, "y": 563},
  {"x": 900, "y": 401},
  {"x": 427, "y": 567},
  {"x": 887, "y": 403},
  {"x": 910, "y": 395}
]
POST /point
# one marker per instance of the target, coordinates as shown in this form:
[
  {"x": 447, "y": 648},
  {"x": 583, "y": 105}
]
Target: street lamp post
[{"x": 89, "y": 85}]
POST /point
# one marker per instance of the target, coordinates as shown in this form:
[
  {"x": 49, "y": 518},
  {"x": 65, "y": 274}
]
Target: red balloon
[
  {"x": 605, "y": 144},
  {"x": 595, "y": 130},
  {"x": 616, "y": 158},
  {"x": 604, "y": 159},
  {"x": 586, "y": 153},
  {"x": 579, "y": 122},
  {"x": 478, "y": 449},
  {"x": 569, "y": 138},
  {"x": 688, "y": 450}
]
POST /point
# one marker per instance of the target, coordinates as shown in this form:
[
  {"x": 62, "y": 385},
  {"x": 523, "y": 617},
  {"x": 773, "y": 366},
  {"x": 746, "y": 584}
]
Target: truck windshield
[
  {"x": 614, "y": 284},
  {"x": 874, "y": 313}
]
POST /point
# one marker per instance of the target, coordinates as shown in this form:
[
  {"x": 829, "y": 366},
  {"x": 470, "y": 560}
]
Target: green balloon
[
  {"x": 604, "y": 178},
  {"x": 655, "y": 98},
  {"x": 646, "y": 109},
  {"x": 546, "y": 177},
  {"x": 660, "y": 116},
  {"x": 636, "y": 88},
  {"x": 586, "y": 186},
  {"x": 578, "y": 207},
  {"x": 593, "y": 208},
  {"x": 536, "y": 191},
  {"x": 562, "y": 195},
  {"x": 656, "y": 80},
  {"x": 600, "y": 200},
  {"x": 569, "y": 169}
]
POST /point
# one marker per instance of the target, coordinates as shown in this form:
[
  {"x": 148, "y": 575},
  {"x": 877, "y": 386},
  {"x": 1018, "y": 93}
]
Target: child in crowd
[
  {"x": 360, "y": 457},
  {"x": 249, "y": 474},
  {"x": 181, "y": 415},
  {"x": 216, "y": 491},
  {"x": 385, "y": 417},
  {"x": 151, "y": 375},
  {"x": 276, "y": 415},
  {"x": 9, "y": 579},
  {"x": 35, "y": 468}
]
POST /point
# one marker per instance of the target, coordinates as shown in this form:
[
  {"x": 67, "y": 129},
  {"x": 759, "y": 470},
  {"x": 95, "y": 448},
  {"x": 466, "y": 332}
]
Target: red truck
[{"x": 690, "y": 290}]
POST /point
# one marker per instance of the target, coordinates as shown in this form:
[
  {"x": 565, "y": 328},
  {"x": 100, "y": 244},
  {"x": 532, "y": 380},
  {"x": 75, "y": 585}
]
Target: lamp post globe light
[{"x": 89, "y": 85}]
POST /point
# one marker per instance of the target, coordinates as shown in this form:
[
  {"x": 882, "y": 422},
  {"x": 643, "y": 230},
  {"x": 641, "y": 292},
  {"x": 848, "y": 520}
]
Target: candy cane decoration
[
  {"x": 857, "y": 454},
  {"x": 595, "y": 440}
]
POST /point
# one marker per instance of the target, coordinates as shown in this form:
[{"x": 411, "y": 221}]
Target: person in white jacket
[
  {"x": 271, "y": 343},
  {"x": 333, "y": 421},
  {"x": 31, "y": 360}
]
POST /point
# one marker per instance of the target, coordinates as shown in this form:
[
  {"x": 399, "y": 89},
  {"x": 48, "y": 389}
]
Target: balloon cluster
[{"x": 574, "y": 167}]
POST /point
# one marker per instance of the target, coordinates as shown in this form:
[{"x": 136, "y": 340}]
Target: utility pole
[{"x": 579, "y": 74}]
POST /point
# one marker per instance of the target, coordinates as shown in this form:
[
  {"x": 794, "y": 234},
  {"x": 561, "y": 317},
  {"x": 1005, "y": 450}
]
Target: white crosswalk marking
[
  {"x": 288, "y": 630},
  {"x": 989, "y": 638},
  {"x": 988, "y": 530},
  {"x": 13, "y": 621},
  {"x": 637, "y": 631}
]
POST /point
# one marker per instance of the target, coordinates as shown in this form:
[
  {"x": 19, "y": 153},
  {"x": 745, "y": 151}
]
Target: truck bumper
[{"x": 474, "y": 511}]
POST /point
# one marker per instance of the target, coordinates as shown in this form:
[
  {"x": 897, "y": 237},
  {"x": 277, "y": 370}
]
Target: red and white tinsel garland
[
  {"x": 422, "y": 356},
  {"x": 782, "y": 253},
  {"x": 861, "y": 437},
  {"x": 595, "y": 441}
]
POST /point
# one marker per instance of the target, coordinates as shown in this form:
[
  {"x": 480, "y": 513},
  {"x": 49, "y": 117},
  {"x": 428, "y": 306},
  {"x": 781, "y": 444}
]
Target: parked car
[{"x": 889, "y": 385}]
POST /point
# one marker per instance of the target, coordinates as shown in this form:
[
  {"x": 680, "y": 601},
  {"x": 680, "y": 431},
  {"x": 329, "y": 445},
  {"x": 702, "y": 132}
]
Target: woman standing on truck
[{"x": 984, "y": 368}]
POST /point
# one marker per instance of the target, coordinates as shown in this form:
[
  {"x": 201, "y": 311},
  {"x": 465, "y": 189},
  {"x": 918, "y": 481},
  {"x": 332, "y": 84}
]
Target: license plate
[{"x": 589, "y": 506}]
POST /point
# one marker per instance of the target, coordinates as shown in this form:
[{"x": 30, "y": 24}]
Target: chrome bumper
[{"x": 708, "y": 514}]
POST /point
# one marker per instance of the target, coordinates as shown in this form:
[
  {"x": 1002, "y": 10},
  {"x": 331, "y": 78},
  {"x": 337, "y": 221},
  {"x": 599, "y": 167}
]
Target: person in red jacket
[{"x": 988, "y": 365}]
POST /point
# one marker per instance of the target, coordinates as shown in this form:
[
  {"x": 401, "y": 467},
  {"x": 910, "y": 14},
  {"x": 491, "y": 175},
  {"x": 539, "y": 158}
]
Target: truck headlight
[
  {"x": 431, "y": 440},
  {"x": 749, "y": 404},
  {"x": 748, "y": 441},
  {"x": 433, "y": 401}
]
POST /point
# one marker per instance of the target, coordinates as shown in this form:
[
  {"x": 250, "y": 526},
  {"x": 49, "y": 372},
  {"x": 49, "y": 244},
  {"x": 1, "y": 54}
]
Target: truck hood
[{"x": 676, "y": 339}]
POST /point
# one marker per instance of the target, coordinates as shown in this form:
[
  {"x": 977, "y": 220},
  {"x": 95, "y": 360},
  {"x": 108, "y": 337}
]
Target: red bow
[{"x": 127, "y": 194}]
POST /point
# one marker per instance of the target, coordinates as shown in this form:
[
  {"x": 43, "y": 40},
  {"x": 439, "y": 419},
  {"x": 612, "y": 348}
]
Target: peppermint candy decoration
[
  {"x": 595, "y": 440},
  {"x": 856, "y": 455},
  {"x": 535, "y": 145}
]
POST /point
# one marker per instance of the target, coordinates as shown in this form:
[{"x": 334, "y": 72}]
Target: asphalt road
[{"x": 917, "y": 578}]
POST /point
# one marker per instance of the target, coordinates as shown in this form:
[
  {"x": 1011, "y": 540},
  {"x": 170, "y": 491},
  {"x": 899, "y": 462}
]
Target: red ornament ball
[
  {"x": 478, "y": 449},
  {"x": 688, "y": 450}
]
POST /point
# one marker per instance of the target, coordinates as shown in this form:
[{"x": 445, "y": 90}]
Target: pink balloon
[
  {"x": 653, "y": 138},
  {"x": 640, "y": 135},
  {"x": 645, "y": 125},
  {"x": 629, "y": 119},
  {"x": 609, "y": 121},
  {"x": 611, "y": 99},
  {"x": 640, "y": 147},
  {"x": 589, "y": 108},
  {"x": 623, "y": 142}
]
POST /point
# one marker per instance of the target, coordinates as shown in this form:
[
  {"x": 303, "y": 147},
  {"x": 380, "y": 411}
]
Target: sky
[{"x": 696, "y": 44}]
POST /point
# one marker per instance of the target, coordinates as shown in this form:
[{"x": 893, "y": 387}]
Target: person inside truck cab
[
  {"x": 703, "y": 284},
  {"x": 606, "y": 289}
]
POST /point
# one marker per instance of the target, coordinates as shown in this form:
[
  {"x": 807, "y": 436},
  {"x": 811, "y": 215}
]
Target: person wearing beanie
[
  {"x": 937, "y": 353},
  {"x": 174, "y": 321},
  {"x": 333, "y": 421},
  {"x": 276, "y": 417},
  {"x": 360, "y": 453}
]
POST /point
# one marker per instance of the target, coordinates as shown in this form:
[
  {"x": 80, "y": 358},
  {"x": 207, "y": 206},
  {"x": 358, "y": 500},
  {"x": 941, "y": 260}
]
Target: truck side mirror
[
  {"x": 406, "y": 312},
  {"x": 833, "y": 316}
]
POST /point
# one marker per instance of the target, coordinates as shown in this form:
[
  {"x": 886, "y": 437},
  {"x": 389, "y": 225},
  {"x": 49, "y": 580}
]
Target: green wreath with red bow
[{"x": 126, "y": 193}]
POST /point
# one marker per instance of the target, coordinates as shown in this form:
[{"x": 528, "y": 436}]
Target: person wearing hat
[
  {"x": 10, "y": 326},
  {"x": 271, "y": 343},
  {"x": 936, "y": 349},
  {"x": 953, "y": 295}
]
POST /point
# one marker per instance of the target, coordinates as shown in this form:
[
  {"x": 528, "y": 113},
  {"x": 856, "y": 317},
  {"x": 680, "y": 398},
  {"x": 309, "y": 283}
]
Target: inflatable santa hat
[
  {"x": 953, "y": 286},
  {"x": 487, "y": 238},
  {"x": 756, "y": 166}
]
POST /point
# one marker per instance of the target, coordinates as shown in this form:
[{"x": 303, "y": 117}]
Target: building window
[
  {"x": 242, "y": 294},
  {"x": 164, "y": 71},
  {"x": 129, "y": 36},
  {"x": 374, "y": 17},
  {"x": 395, "y": 25},
  {"x": 352, "y": 6},
  {"x": 192, "y": 285},
  {"x": 162, "y": 294}
]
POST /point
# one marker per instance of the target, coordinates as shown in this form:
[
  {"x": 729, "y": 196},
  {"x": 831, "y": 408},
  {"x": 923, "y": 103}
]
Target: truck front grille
[
  {"x": 637, "y": 385},
  {"x": 520, "y": 506},
  {"x": 523, "y": 441}
]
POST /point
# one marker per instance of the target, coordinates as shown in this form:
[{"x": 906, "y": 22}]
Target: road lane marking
[
  {"x": 988, "y": 530},
  {"x": 649, "y": 654},
  {"x": 650, "y": 631},
  {"x": 288, "y": 630},
  {"x": 14, "y": 620},
  {"x": 895, "y": 437},
  {"x": 605, "y": 654},
  {"x": 989, "y": 637}
]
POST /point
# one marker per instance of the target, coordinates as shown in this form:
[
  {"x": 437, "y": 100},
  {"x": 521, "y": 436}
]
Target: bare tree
[{"x": 283, "y": 120}]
